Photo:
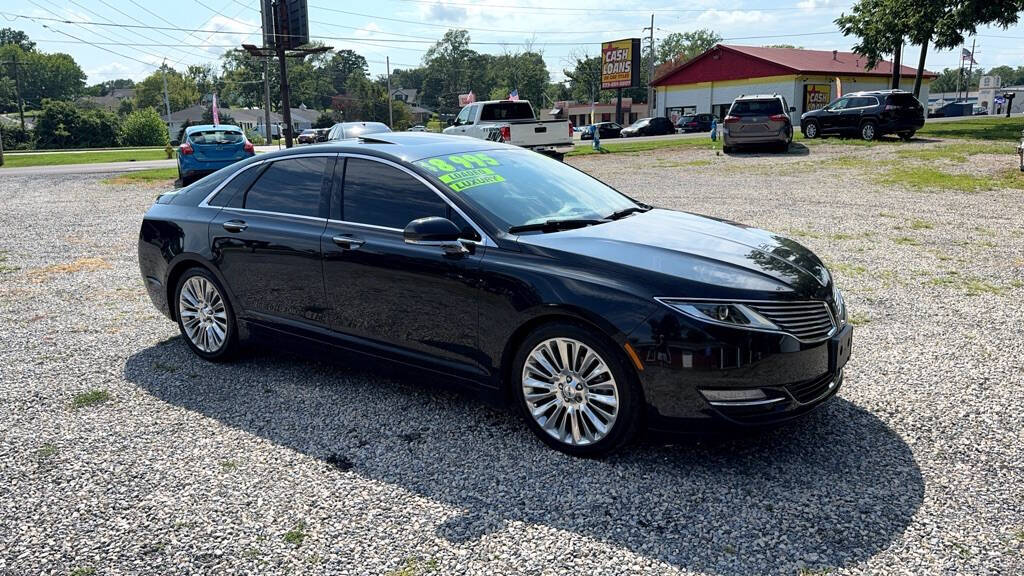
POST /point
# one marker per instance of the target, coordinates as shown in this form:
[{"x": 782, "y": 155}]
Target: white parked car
[{"x": 513, "y": 122}]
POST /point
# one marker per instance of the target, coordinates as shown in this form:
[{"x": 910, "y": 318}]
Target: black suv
[{"x": 866, "y": 114}]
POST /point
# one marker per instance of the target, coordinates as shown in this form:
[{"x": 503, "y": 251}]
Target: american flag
[
  {"x": 965, "y": 54},
  {"x": 514, "y": 95}
]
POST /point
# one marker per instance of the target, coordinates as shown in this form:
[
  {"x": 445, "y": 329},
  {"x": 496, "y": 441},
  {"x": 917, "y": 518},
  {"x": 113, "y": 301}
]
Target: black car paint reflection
[{"x": 464, "y": 315}]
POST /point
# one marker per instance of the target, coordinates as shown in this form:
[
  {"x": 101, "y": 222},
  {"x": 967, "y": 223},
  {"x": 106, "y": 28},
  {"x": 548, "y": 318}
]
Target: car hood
[{"x": 696, "y": 248}]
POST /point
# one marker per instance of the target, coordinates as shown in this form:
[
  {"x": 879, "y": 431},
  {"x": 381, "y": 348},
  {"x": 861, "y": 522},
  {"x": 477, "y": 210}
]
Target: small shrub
[
  {"x": 296, "y": 535},
  {"x": 144, "y": 128}
]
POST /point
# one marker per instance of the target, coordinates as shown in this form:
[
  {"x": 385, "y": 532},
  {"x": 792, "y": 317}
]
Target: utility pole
[
  {"x": 17, "y": 86},
  {"x": 279, "y": 46},
  {"x": 267, "y": 132},
  {"x": 1, "y": 143},
  {"x": 970, "y": 71},
  {"x": 391, "y": 115},
  {"x": 167, "y": 102},
  {"x": 650, "y": 71}
]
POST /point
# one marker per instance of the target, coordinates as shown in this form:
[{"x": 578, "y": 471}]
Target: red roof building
[{"x": 808, "y": 79}]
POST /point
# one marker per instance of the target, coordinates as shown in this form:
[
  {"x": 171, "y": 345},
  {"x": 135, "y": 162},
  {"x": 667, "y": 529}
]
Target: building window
[{"x": 606, "y": 117}]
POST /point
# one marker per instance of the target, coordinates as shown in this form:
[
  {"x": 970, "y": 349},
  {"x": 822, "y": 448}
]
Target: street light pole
[{"x": 391, "y": 116}]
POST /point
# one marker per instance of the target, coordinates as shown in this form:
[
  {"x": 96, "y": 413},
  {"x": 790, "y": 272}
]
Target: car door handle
[
  {"x": 235, "y": 226},
  {"x": 347, "y": 242}
]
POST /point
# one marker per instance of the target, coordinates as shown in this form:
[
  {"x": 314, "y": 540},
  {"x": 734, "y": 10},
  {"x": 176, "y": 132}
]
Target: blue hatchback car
[{"x": 207, "y": 148}]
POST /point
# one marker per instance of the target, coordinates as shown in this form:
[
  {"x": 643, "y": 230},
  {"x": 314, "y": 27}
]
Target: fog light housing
[{"x": 746, "y": 395}]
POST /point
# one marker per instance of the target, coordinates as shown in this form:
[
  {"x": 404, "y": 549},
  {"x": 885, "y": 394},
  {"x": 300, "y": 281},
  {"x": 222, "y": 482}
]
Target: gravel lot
[{"x": 281, "y": 464}]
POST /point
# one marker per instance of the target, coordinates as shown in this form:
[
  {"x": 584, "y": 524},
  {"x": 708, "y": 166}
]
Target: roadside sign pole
[
  {"x": 279, "y": 45},
  {"x": 1, "y": 143},
  {"x": 618, "y": 106},
  {"x": 391, "y": 116},
  {"x": 268, "y": 132}
]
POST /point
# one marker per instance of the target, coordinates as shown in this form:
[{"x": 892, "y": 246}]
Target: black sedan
[
  {"x": 605, "y": 130},
  {"x": 502, "y": 269},
  {"x": 658, "y": 126}
]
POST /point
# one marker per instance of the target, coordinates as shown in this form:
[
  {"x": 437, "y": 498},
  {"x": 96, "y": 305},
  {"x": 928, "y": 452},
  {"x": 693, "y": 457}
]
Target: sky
[{"x": 402, "y": 30}]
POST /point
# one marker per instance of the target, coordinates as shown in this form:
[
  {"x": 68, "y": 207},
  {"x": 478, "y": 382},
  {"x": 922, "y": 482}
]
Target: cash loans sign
[{"x": 620, "y": 64}]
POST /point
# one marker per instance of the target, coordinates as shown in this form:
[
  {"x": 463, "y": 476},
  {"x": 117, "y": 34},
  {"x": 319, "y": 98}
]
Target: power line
[
  {"x": 602, "y": 9},
  {"x": 468, "y": 29},
  {"x": 80, "y": 25}
]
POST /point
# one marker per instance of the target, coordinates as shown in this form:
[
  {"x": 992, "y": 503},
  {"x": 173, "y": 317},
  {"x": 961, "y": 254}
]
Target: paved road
[{"x": 99, "y": 168}]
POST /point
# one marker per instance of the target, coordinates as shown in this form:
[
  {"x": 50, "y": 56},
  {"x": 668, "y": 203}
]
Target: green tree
[
  {"x": 324, "y": 120},
  {"x": 882, "y": 25},
  {"x": 345, "y": 63},
  {"x": 17, "y": 38},
  {"x": 62, "y": 125},
  {"x": 450, "y": 71},
  {"x": 127, "y": 106},
  {"x": 1010, "y": 76},
  {"x": 203, "y": 77},
  {"x": 144, "y": 127},
  {"x": 585, "y": 80},
  {"x": 686, "y": 45},
  {"x": 181, "y": 92},
  {"x": 43, "y": 75},
  {"x": 525, "y": 72},
  {"x": 242, "y": 77},
  {"x": 222, "y": 116}
]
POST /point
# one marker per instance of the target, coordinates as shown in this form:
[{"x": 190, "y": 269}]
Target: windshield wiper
[
  {"x": 627, "y": 211},
  {"x": 555, "y": 225}
]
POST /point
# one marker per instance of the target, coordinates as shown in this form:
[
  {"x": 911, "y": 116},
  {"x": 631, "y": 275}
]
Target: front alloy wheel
[
  {"x": 204, "y": 315},
  {"x": 867, "y": 131},
  {"x": 811, "y": 130},
  {"x": 575, "y": 393}
]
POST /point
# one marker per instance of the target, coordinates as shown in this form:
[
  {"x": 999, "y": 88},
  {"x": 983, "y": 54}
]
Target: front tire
[
  {"x": 811, "y": 130},
  {"x": 576, "y": 391},
  {"x": 205, "y": 317},
  {"x": 868, "y": 131}
]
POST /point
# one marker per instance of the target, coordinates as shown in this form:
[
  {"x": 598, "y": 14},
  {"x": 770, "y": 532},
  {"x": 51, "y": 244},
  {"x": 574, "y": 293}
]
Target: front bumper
[{"x": 698, "y": 376}]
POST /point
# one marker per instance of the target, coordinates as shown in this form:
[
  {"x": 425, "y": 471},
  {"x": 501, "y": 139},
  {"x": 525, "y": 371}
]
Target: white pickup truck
[{"x": 514, "y": 122}]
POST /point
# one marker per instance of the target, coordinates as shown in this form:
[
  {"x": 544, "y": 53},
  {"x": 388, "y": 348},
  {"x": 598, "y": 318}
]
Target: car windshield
[
  {"x": 518, "y": 187},
  {"x": 641, "y": 123},
  {"x": 216, "y": 137},
  {"x": 308, "y": 132},
  {"x": 756, "y": 107},
  {"x": 687, "y": 119}
]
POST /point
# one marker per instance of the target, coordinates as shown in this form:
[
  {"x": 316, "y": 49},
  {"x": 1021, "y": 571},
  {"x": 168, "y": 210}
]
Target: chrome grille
[{"x": 808, "y": 321}]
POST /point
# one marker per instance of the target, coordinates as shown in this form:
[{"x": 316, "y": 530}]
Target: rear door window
[
  {"x": 291, "y": 186},
  {"x": 233, "y": 193},
  {"x": 756, "y": 107},
  {"x": 216, "y": 137}
]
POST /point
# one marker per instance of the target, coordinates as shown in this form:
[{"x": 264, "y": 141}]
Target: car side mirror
[
  {"x": 451, "y": 122},
  {"x": 435, "y": 231},
  {"x": 792, "y": 108}
]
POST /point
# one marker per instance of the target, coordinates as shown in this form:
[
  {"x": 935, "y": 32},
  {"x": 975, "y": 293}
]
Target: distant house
[
  {"x": 245, "y": 118},
  {"x": 111, "y": 101},
  {"x": 411, "y": 98}
]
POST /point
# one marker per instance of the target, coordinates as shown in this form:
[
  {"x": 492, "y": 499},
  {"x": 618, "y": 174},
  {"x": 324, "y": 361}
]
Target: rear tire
[
  {"x": 811, "y": 130},
  {"x": 868, "y": 131},
  {"x": 906, "y": 136},
  {"x": 576, "y": 390},
  {"x": 727, "y": 149},
  {"x": 558, "y": 156},
  {"x": 205, "y": 317}
]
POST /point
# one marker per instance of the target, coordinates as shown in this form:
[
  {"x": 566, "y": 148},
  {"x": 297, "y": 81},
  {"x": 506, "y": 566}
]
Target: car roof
[
  {"x": 199, "y": 127},
  {"x": 360, "y": 123},
  {"x": 758, "y": 96},
  {"x": 398, "y": 146}
]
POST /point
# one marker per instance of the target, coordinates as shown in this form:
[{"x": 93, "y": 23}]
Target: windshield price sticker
[{"x": 463, "y": 171}]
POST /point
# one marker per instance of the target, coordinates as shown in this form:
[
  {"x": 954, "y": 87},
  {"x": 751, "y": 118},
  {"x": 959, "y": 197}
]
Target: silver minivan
[{"x": 758, "y": 119}]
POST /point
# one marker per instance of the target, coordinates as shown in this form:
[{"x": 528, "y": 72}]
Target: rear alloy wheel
[
  {"x": 205, "y": 317},
  {"x": 867, "y": 130},
  {"x": 811, "y": 130},
  {"x": 574, "y": 392}
]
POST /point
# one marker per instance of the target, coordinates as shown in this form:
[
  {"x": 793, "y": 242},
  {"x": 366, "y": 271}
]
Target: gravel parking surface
[{"x": 122, "y": 453}]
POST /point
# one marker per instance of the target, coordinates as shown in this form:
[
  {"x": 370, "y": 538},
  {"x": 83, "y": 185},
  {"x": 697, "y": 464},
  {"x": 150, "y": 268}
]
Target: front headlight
[
  {"x": 837, "y": 297},
  {"x": 725, "y": 313}
]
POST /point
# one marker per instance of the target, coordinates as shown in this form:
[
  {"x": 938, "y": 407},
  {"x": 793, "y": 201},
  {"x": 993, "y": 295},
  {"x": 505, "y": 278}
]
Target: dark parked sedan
[
  {"x": 657, "y": 126},
  {"x": 502, "y": 269},
  {"x": 605, "y": 130}
]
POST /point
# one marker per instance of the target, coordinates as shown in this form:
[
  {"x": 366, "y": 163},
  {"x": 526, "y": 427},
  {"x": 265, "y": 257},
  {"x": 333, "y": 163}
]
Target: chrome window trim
[
  {"x": 269, "y": 213},
  {"x": 667, "y": 300},
  {"x": 485, "y": 240}
]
